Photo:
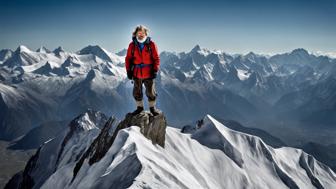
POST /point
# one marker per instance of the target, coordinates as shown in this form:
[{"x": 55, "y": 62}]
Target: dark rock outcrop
[
  {"x": 188, "y": 129},
  {"x": 23, "y": 180},
  {"x": 152, "y": 127}
]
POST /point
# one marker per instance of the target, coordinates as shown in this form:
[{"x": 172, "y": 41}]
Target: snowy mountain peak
[
  {"x": 122, "y": 52},
  {"x": 83, "y": 122},
  {"x": 5, "y": 54},
  {"x": 58, "y": 50},
  {"x": 97, "y": 51},
  {"x": 22, "y": 57},
  {"x": 300, "y": 51},
  {"x": 43, "y": 49},
  {"x": 196, "y": 48},
  {"x": 88, "y": 120},
  {"x": 44, "y": 70},
  {"x": 250, "y": 55},
  {"x": 241, "y": 148},
  {"x": 71, "y": 61},
  {"x": 22, "y": 48},
  {"x": 209, "y": 125},
  {"x": 5, "y": 51},
  {"x": 90, "y": 48},
  {"x": 202, "y": 51}
]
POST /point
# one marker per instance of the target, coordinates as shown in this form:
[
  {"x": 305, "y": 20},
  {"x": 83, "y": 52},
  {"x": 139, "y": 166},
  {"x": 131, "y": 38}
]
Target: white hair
[{"x": 140, "y": 28}]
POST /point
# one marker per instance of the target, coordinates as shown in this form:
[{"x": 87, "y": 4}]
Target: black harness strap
[
  {"x": 151, "y": 55},
  {"x": 132, "y": 58}
]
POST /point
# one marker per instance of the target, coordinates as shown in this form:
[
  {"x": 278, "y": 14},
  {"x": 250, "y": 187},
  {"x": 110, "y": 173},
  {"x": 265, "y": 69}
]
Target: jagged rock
[
  {"x": 152, "y": 127},
  {"x": 191, "y": 129},
  {"x": 98, "y": 147},
  {"x": 188, "y": 129},
  {"x": 23, "y": 179}
]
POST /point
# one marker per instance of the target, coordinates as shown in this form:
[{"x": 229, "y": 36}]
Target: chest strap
[{"x": 141, "y": 65}]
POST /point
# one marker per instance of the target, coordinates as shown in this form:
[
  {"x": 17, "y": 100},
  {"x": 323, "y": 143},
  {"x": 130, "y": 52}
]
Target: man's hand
[
  {"x": 130, "y": 75},
  {"x": 154, "y": 74}
]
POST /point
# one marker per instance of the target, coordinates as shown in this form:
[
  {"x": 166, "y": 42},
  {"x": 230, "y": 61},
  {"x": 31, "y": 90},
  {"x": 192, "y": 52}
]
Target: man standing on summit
[{"x": 142, "y": 64}]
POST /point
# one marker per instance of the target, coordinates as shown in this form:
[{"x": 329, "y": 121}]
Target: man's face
[{"x": 141, "y": 34}]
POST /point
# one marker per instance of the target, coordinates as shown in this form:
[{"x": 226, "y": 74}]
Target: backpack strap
[
  {"x": 133, "y": 49},
  {"x": 132, "y": 57},
  {"x": 150, "y": 52},
  {"x": 149, "y": 49}
]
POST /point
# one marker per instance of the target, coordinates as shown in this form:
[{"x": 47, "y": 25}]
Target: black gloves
[
  {"x": 154, "y": 74},
  {"x": 130, "y": 75}
]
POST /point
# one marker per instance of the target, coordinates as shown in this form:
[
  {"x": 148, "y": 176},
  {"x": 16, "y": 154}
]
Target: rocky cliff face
[{"x": 152, "y": 127}]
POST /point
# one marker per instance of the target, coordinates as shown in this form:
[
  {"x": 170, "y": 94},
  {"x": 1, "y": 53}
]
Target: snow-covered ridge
[
  {"x": 194, "y": 64},
  {"x": 46, "y": 62},
  {"x": 213, "y": 156}
]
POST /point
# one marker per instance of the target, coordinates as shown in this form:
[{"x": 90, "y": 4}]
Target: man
[{"x": 142, "y": 64}]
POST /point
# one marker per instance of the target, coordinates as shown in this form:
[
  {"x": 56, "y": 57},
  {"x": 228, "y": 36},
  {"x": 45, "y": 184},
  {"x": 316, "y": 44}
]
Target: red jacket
[{"x": 143, "y": 72}]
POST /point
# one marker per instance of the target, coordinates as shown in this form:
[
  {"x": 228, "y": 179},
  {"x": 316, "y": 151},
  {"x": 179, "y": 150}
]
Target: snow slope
[{"x": 214, "y": 156}]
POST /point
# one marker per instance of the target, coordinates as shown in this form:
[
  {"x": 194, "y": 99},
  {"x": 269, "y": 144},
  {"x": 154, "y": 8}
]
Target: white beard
[{"x": 142, "y": 40}]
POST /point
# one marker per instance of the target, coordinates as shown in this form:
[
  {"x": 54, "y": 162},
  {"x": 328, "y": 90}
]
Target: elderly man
[{"x": 142, "y": 64}]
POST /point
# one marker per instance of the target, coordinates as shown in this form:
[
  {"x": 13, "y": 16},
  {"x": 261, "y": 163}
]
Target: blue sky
[{"x": 261, "y": 26}]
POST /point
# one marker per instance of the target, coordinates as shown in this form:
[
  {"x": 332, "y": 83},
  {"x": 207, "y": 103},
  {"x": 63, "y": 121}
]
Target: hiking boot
[
  {"x": 138, "y": 110},
  {"x": 154, "y": 111}
]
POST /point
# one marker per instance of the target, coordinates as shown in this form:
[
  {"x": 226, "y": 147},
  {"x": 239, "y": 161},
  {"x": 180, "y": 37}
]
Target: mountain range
[{"x": 294, "y": 90}]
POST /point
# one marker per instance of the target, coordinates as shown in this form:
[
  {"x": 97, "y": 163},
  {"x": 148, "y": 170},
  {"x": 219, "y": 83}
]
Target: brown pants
[{"x": 150, "y": 91}]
